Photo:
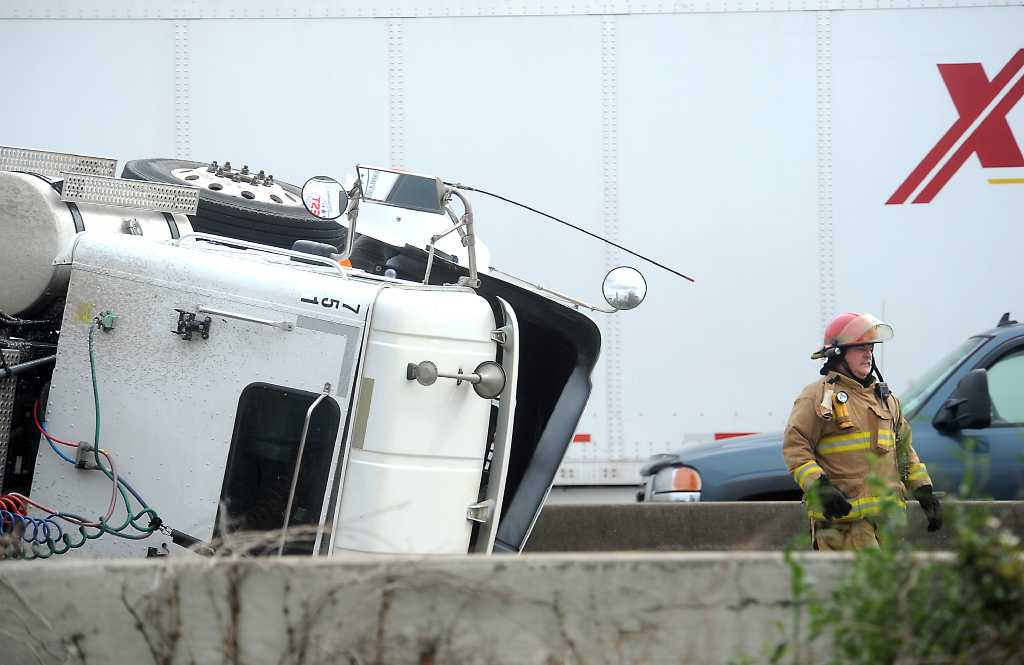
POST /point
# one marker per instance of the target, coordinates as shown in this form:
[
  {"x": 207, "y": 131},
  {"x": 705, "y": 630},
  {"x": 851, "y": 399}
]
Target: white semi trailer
[{"x": 797, "y": 159}]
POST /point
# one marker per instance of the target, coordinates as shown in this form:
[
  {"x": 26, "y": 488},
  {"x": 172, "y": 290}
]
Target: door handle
[{"x": 283, "y": 325}]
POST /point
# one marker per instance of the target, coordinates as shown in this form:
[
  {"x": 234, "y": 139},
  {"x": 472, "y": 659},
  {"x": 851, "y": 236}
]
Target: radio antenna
[{"x": 572, "y": 226}]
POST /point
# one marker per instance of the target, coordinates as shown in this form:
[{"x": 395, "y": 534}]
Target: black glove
[
  {"x": 833, "y": 501},
  {"x": 930, "y": 505}
]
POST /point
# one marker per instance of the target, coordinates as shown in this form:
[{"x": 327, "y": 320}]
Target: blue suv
[{"x": 973, "y": 399}]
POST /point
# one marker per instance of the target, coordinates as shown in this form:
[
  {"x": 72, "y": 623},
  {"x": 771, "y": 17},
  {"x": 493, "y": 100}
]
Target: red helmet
[{"x": 853, "y": 329}]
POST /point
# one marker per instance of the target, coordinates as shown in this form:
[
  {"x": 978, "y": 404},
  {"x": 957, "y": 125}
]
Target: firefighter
[{"x": 846, "y": 426}]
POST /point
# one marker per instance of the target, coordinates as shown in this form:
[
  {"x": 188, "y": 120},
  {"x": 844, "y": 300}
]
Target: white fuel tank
[
  {"x": 417, "y": 452},
  {"x": 37, "y": 228}
]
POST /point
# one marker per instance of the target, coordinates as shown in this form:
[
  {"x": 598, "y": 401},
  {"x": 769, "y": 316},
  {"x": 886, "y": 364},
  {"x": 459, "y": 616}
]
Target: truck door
[
  {"x": 287, "y": 431},
  {"x": 207, "y": 428},
  {"x": 999, "y": 447}
]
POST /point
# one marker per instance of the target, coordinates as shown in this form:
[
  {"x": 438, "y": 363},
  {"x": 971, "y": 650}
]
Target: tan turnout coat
[{"x": 816, "y": 442}]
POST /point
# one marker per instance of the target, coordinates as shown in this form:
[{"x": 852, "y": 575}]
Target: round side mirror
[
  {"x": 324, "y": 197},
  {"x": 492, "y": 379},
  {"x": 624, "y": 287}
]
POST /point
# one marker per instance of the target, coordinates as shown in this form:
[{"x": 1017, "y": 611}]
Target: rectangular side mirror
[
  {"x": 402, "y": 189},
  {"x": 969, "y": 407}
]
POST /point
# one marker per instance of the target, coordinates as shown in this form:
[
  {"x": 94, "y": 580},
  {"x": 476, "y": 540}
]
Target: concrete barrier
[
  {"x": 535, "y": 609},
  {"x": 768, "y": 525},
  {"x": 529, "y": 610}
]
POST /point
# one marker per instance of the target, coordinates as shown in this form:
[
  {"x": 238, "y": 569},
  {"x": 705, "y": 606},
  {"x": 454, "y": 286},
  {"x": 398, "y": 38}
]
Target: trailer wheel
[{"x": 241, "y": 203}]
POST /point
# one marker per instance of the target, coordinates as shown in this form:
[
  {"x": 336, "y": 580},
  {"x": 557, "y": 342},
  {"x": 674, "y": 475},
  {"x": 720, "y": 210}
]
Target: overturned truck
[{"x": 192, "y": 351}]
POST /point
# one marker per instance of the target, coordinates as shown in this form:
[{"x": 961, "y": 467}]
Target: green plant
[{"x": 895, "y": 606}]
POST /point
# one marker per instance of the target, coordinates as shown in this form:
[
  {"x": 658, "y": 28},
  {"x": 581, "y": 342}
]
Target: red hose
[
  {"x": 39, "y": 426},
  {"x": 12, "y": 504}
]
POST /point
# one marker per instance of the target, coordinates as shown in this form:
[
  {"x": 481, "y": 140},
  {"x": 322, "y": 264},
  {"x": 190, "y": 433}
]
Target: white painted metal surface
[
  {"x": 168, "y": 406},
  {"x": 718, "y": 160},
  {"x": 753, "y": 144},
  {"x": 416, "y": 453},
  {"x": 945, "y": 269},
  {"x": 319, "y": 9}
]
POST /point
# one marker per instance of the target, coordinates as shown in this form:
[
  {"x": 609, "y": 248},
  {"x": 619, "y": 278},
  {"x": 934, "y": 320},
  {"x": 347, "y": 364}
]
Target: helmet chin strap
[
  {"x": 881, "y": 387},
  {"x": 866, "y": 381}
]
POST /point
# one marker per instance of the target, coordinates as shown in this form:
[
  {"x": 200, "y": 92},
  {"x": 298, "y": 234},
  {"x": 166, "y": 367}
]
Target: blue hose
[{"x": 67, "y": 459}]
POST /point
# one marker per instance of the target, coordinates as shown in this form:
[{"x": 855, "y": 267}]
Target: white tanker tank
[{"x": 38, "y": 227}]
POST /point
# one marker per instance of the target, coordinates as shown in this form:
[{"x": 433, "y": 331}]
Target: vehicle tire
[
  {"x": 226, "y": 212},
  {"x": 244, "y": 229},
  {"x": 250, "y": 234}
]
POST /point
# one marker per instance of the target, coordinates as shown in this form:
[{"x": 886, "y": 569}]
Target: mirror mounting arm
[
  {"x": 352, "y": 214},
  {"x": 469, "y": 239},
  {"x": 458, "y": 224},
  {"x": 433, "y": 241}
]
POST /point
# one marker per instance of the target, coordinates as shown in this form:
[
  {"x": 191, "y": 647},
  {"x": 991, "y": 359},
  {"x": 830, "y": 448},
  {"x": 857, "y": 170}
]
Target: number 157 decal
[{"x": 332, "y": 303}]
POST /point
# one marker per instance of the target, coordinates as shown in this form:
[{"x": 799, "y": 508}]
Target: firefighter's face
[{"x": 859, "y": 358}]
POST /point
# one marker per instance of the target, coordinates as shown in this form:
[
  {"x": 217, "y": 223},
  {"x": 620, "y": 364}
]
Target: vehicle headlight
[{"x": 677, "y": 483}]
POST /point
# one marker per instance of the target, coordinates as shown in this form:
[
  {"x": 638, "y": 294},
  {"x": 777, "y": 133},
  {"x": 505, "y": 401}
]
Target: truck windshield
[{"x": 920, "y": 390}]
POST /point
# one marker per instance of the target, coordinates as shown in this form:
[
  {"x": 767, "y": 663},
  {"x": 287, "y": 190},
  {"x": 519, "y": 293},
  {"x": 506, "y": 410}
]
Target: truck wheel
[{"x": 252, "y": 206}]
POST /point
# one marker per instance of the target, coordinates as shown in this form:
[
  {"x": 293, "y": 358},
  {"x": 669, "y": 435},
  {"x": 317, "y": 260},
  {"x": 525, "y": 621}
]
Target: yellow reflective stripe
[
  {"x": 863, "y": 507},
  {"x": 863, "y": 443},
  {"x": 866, "y": 445},
  {"x": 843, "y": 437},
  {"x": 801, "y": 472}
]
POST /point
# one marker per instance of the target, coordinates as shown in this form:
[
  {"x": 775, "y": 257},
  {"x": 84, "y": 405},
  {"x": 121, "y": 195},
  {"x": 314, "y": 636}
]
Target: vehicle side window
[
  {"x": 261, "y": 462},
  {"x": 1006, "y": 387}
]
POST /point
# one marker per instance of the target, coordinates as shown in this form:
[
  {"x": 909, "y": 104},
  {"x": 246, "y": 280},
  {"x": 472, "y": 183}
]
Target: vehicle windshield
[{"x": 921, "y": 389}]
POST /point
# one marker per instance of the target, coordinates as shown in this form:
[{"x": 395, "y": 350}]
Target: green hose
[
  {"x": 66, "y": 543},
  {"x": 131, "y": 518}
]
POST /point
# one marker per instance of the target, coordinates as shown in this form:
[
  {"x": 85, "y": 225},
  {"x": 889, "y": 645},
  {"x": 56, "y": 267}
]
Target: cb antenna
[{"x": 572, "y": 226}]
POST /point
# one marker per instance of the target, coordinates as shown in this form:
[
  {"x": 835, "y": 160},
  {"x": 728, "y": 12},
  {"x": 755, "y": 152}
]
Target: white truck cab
[
  {"x": 205, "y": 389},
  {"x": 218, "y": 418}
]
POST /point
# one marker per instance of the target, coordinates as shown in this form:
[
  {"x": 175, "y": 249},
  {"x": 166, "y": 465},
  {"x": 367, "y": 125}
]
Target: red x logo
[{"x": 981, "y": 128}]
